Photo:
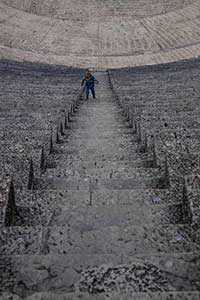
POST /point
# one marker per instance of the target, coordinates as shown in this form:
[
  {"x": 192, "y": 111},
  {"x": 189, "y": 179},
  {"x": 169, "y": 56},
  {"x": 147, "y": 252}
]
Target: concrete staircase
[{"x": 112, "y": 231}]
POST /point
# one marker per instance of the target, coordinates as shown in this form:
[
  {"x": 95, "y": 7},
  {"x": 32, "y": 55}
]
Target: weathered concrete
[
  {"x": 99, "y": 222},
  {"x": 109, "y": 296},
  {"x": 169, "y": 115},
  {"x": 99, "y": 34},
  {"x": 101, "y": 247}
]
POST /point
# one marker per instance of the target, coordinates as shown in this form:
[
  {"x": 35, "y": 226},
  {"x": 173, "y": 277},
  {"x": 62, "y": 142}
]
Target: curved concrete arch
[
  {"x": 113, "y": 37},
  {"x": 86, "y": 10}
]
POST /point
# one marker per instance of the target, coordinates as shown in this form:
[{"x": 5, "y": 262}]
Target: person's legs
[
  {"x": 93, "y": 92},
  {"x": 87, "y": 91}
]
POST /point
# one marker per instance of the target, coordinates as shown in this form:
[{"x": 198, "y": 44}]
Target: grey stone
[{"x": 97, "y": 225}]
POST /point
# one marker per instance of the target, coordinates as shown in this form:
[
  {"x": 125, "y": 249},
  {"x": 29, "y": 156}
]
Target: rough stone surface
[
  {"x": 100, "y": 222},
  {"x": 107, "y": 296}
]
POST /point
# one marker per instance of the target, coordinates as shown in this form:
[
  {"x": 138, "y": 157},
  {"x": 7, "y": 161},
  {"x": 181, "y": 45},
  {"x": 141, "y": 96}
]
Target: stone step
[
  {"x": 89, "y": 217},
  {"x": 108, "y": 296},
  {"x": 110, "y": 120},
  {"x": 24, "y": 274},
  {"x": 97, "y": 148},
  {"x": 127, "y": 240},
  {"x": 98, "y": 125},
  {"x": 104, "y": 137},
  {"x": 37, "y": 207},
  {"x": 95, "y": 110},
  {"x": 69, "y": 171},
  {"x": 109, "y": 117},
  {"x": 95, "y": 166},
  {"x": 116, "y": 240},
  {"x": 96, "y": 153},
  {"x": 103, "y": 105},
  {"x": 89, "y": 184},
  {"x": 103, "y": 100},
  {"x": 66, "y": 198},
  {"x": 107, "y": 133}
]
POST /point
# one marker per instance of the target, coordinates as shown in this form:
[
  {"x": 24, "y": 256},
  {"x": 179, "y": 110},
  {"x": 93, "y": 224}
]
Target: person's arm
[
  {"x": 82, "y": 83},
  {"x": 96, "y": 81}
]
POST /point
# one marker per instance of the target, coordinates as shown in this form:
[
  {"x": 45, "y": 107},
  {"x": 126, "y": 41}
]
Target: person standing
[{"x": 88, "y": 83}]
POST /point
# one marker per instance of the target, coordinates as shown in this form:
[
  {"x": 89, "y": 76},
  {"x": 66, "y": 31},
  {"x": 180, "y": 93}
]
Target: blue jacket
[{"x": 90, "y": 82}]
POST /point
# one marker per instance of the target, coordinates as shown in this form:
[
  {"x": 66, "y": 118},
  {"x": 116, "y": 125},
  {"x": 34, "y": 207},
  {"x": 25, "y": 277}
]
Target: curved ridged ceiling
[{"x": 99, "y": 34}]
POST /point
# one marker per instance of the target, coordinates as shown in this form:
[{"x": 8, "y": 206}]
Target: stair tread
[
  {"x": 80, "y": 171},
  {"x": 95, "y": 184},
  {"x": 119, "y": 214},
  {"x": 69, "y": 238},
  {"x": 103, "y": 197},
  {"x": 102, "y": 296},
  {"x": 160, "y": 272}
]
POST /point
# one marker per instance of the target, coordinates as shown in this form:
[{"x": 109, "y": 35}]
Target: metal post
[
  {"x": 42, "y": 159},
  {"x": 154, "y": 161},
  {"x": 31, "y": 176},
  {"x": 187, "y": 212},
  {"x": 66, "y": 124},
  {"x": 11, "y": 209},
  {"x": 57, "y": 136},
  {"x": 61, "y": 129},
  {"x": 51, "y": 144},
  {"x": 166, "y": 173}
]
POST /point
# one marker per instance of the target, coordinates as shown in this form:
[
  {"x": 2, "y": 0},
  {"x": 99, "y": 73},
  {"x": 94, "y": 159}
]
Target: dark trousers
[{"x": 87, "y": 91}]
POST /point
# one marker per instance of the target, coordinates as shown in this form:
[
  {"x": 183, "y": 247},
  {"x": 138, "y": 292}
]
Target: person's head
[{"x": 87, "y": 74}]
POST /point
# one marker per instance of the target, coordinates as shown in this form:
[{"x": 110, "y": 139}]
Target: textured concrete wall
[
  {"x": 99, "y": 34},
  {"x": 87, "y": 10}
]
